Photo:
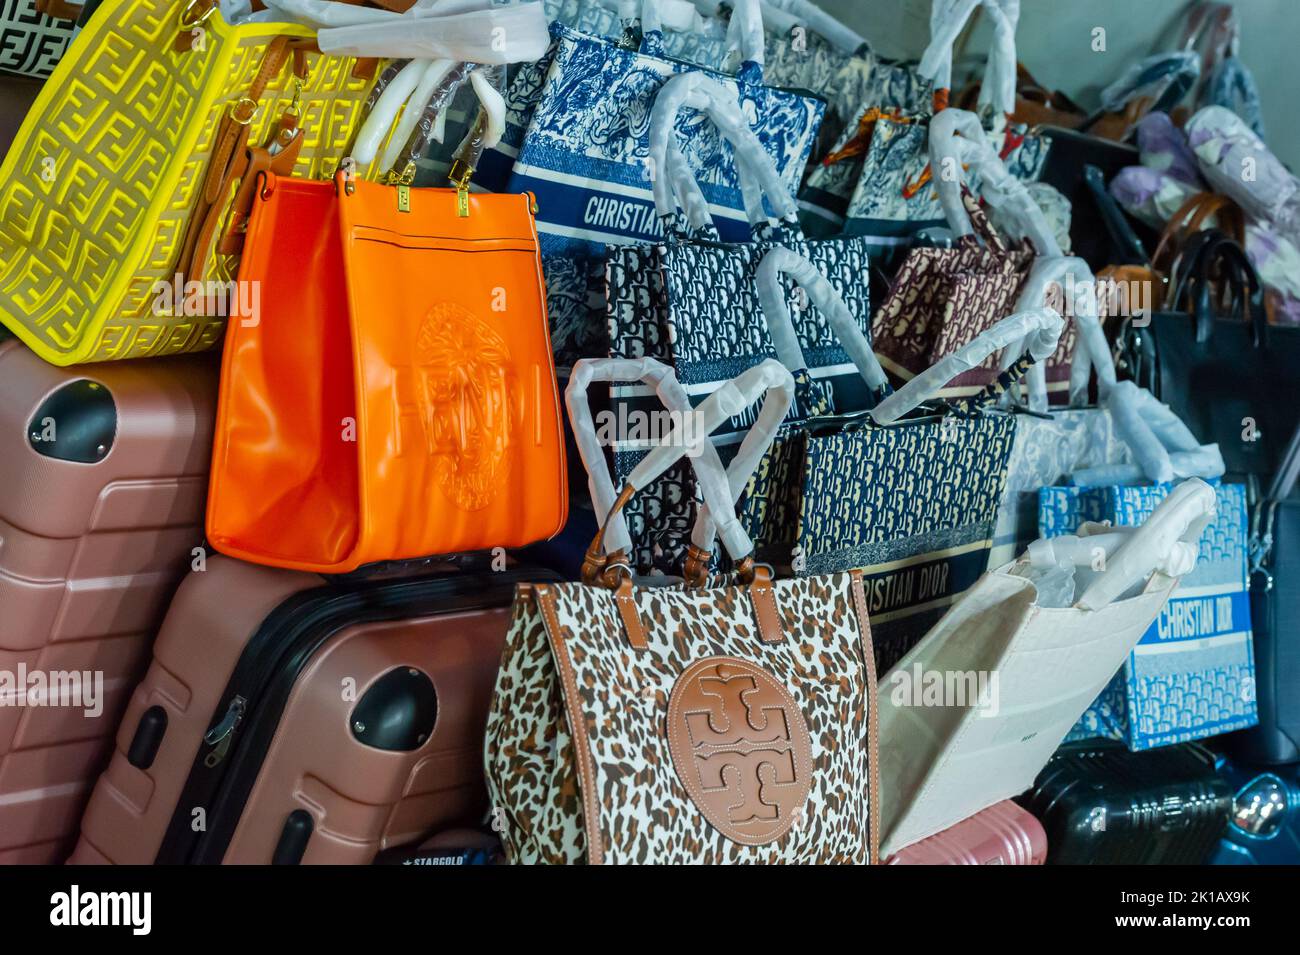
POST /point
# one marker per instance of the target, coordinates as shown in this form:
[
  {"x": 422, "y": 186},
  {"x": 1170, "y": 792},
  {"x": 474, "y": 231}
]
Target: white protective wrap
[{"x": 1035, "y": 331}]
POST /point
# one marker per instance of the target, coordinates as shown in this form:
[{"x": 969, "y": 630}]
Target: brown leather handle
[
  {"x": 611, "y": 573},
  {"x": 1191, "y": 217}
]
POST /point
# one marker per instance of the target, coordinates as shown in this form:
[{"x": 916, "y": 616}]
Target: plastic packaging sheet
[
  {"x": 475, "y": 30},
  {"x": 745, "y": 32},
  {"x": 956, "y": 140},
  {"x": 1224, "y": 146},
  {"x": 1149, "y": 77},
  {"x": 1153, "y": 433},
  {"x": 1161, "y": 544},
  {"x": 1061, "y": 568},
  {"x": 1079, "y": 295},
  {"x": 771, "y": 296},
  {"x": 807, "y": 13},
  {"x": 1036, "y": 330},
  {"x": 677, "y": 16}
]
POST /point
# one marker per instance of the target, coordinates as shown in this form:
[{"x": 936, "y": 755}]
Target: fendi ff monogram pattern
[
  {"x": 96, "y": 195},
  {"x": 30, "y": 42},
  {"x": 740, "y": 747},
  {"x": 579, "y": 765}
]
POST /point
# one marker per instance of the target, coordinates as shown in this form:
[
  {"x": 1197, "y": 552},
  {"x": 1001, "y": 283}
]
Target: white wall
[{"x": 1054, "y": 41}]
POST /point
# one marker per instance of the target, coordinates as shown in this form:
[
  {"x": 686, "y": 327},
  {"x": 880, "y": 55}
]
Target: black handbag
[
  {"x": 1214, "y": 359},
  {"x": 1069, "y": 157},
  {"x": 1275, "y": 620}
]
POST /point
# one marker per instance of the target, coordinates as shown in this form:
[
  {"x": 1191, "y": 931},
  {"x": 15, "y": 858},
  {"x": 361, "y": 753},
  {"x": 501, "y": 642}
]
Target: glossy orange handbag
[{"x": 387, "y": 387}]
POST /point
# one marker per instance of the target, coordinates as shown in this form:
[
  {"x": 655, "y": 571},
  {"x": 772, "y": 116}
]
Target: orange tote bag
[{"x": 387, "y": 388}]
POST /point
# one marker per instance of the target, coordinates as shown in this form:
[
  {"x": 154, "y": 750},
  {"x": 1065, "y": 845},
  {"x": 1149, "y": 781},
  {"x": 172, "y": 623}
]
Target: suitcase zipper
[
  {"x": 221, "y": 735},
  {"x": 223, "y": 774}
]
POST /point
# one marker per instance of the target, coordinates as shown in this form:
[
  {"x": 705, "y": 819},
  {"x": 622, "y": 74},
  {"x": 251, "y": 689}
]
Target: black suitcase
[
  {"x": 1103, "y": 805},
  {"x": 1275, "y": 619}
]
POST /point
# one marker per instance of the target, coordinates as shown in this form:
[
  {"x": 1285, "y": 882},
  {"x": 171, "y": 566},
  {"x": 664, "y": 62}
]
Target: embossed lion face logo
[
  {"x": 741, "y": 748},
  {"x": 465, "y": 390}
]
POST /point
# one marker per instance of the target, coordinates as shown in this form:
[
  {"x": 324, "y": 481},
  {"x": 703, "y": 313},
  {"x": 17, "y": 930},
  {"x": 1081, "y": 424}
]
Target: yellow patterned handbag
[{"x": 121, "y": 175}]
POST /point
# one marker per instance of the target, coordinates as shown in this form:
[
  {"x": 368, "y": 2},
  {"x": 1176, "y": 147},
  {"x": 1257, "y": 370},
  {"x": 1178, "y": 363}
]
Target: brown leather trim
[
  {"x": 766, "y": 614},
  {"x": 596, "y": 549},
  {"x": 625, "y": 600},
  {"x": 229, "y": 163},
  {"x": 873, "y": 717},
  {"x": 257, "y": 161},
  {"x": 365, "y": 68},
  {"x": 695, "y": 568},
  {"x": 545, "y": 597},
  {"x": 59, "y": 9}
]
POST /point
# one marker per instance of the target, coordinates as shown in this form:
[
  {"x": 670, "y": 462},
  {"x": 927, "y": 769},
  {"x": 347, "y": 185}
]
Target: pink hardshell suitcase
[
  {"x": 103, "y": 473},
  {"x": 288, "y": 718},
  {"x": 1002, "y": 834}
]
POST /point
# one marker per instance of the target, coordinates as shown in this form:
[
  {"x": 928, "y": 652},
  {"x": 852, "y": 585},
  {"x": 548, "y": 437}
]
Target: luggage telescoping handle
[
  {"x": 768, "y": 381},
  {"x": 776, "y": 312},
  {"x": 617, "y": 540},
  {"x": 1036, "y": 330},
  {"x": 672, "y": 180},
  {"x": 957, "y": 140},
  {"x": 1159, "y": 545}
]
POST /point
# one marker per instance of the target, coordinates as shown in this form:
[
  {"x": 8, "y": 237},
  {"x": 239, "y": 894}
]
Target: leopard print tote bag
[{"x": 688, "y": 725}]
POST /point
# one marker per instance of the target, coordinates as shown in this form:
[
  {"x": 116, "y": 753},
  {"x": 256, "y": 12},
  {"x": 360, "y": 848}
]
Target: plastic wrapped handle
[
  {"x": 1079, "y": 290},
  {"x": 1179, "y": 520},
  {"x": 1036, "y": 331},
  {"x": 957, "y": 139},
  {"x": 947, "y": 19},
  {"x": 782, "y": 261},
  {"x": 672, "y": 178}
]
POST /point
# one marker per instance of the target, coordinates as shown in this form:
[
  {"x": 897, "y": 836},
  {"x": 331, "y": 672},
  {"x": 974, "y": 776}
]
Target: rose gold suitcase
[
  {"x": 287, "y": 718},
  {"x": 103, "y": 472},
  {"x": 1002, "y": 834}
]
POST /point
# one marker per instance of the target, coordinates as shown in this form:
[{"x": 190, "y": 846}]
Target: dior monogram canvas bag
[
  {"x": 909, "y": 501},
  {"x": 942, "y": 298},
  {"x": 692, "y": 303},
  {"x": 672, "y": 724}
]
